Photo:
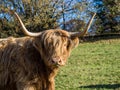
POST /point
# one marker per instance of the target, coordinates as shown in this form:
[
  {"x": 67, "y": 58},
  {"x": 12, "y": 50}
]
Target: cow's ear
[{"x": 75, "y": 41}]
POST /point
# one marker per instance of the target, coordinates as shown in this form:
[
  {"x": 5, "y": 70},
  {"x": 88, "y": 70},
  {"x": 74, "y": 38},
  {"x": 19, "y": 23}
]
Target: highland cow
[{"x": 32, "y": 62}]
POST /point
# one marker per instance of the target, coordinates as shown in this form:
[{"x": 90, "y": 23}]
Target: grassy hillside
[{"x": 92, "y": 66}]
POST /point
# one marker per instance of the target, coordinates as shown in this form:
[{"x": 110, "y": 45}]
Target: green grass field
[{"x": 92, "y": 66}]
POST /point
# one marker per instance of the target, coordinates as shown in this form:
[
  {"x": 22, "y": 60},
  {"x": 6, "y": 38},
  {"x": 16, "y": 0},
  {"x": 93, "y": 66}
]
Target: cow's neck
[{"x": 51, "y": 72}]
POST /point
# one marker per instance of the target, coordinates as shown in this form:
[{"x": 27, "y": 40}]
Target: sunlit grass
[{"x": 92, "y": 66}]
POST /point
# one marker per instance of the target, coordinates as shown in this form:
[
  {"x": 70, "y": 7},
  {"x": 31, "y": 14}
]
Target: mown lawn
[{"x": 92, "y": 66}]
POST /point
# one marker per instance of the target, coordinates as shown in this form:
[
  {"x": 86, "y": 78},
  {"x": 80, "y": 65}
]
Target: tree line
[{"x": 70, "y": 15}]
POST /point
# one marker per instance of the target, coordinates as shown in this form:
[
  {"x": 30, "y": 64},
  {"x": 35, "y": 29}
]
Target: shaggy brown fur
[{"x": 31, "y": 63}]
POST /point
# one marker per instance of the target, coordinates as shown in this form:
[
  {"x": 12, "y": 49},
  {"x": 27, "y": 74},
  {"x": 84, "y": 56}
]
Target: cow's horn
[
  {"x": 26, "y": 32},
  {"x": 81, "y": 34}
]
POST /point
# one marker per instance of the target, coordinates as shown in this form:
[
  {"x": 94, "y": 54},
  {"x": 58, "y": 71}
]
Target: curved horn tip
[
  {"x": 24, "y": 29},
  {"x": 81, "y": 34}
]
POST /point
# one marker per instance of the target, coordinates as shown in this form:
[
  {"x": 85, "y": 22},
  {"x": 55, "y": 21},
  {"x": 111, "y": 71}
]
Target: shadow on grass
[{"x": 99, "y": 86}]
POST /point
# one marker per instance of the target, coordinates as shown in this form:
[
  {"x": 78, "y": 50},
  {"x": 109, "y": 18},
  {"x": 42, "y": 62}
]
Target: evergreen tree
[{"x": 108, "y": 20}]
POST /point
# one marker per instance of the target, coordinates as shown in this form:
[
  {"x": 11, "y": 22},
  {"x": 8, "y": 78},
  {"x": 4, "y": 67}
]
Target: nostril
[
  {"x": 59, "y": 61},
  {"x": 53, "y": 61}
]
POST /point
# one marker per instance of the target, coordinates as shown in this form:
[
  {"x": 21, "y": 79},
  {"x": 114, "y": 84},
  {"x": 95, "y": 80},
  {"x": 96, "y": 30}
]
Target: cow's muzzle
[{"x": 58, "y": 61}]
